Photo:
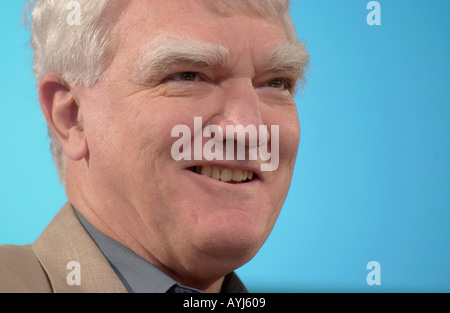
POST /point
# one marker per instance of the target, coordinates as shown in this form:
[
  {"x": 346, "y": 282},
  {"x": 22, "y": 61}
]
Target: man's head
[{"x": 113, "y": 93}]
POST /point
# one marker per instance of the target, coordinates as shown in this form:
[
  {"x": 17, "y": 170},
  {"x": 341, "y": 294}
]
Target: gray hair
[{"x": 81, "y": 53}]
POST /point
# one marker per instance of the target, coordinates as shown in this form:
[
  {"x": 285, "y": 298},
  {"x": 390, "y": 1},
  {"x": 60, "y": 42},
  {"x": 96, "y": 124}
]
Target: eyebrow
[
  {"x": 165, "y": 50},
  {"x": 290, "y": 57}
]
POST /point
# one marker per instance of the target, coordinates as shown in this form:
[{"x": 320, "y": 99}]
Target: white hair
[{"x": 81, "y": 53}]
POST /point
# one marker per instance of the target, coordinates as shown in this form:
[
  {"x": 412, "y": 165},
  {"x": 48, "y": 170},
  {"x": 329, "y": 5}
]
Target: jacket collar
[{"x": 65, "y": 241}]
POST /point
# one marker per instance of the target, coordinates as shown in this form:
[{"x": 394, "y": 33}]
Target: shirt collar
[{"x": 140, "y": 276}]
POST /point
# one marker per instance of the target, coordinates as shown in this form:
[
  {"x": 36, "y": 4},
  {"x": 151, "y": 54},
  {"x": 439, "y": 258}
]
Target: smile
[{"x": 224, "y": 174}]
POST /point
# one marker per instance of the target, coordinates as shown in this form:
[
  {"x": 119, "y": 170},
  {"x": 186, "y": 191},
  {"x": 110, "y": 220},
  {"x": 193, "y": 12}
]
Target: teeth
[
  {"x": 237, "y": 175},
  {"x": 224, "y": 174},
  {"x": 215, "y": 173},
  {"x": 206, "y": 170}
]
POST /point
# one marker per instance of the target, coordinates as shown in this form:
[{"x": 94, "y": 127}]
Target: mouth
[{"x": 226, "y": 175}]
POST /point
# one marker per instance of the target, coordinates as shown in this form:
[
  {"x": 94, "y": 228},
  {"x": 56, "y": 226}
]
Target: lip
[
  {"x": 233, "y": 166},
  {"x": 212, "y": 182}
]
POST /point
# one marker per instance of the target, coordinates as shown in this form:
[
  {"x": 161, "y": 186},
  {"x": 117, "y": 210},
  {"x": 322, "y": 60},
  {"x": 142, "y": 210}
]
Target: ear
[{"x": 63, "y": 115}]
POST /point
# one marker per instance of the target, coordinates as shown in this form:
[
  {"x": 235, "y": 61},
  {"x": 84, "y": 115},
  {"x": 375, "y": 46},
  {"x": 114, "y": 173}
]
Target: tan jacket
[{"x": 43, "y": 266}]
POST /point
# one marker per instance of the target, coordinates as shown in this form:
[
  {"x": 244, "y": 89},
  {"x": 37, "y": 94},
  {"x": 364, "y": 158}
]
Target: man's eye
[
  {"x": 186, "y": 76},
  {"x": 279, "y": 83}
]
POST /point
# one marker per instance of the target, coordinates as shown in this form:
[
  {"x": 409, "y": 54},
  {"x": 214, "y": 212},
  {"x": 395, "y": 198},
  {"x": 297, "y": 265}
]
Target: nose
[{"x": 241, "y": 114}]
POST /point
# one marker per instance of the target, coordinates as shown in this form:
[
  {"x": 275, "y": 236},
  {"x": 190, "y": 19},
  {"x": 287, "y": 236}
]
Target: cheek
[
  {"x": 118, "y": 144},
  {"x": 289, "y": 135},
  {"x": 289, "y": 138},
  {"x": 292, "y": 139}
]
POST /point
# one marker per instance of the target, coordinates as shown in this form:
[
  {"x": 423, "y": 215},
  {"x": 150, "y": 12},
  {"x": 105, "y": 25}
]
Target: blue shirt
[{"x": 140, "y": 276}]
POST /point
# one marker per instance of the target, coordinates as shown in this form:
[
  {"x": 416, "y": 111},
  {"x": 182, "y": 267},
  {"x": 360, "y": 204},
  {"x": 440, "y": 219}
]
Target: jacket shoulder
[{"x": 21, "y": 271}]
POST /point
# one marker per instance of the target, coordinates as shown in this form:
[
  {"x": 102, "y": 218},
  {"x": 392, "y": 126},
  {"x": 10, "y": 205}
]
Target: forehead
[
  {"x": 210, "y": 21},
  {"x": 223, "y": 8}
]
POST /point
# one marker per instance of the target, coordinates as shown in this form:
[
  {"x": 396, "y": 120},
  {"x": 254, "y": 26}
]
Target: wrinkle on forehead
[
  {"x": 272, "y": 9},
  {"x": 254, "y": 7}
]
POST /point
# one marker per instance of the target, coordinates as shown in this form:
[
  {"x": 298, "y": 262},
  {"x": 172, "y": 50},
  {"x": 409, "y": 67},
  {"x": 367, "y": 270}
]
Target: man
[{"x": 114, "y": 82}]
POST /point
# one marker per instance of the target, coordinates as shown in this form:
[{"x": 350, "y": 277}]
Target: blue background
[{"x": 372, "y": 177}]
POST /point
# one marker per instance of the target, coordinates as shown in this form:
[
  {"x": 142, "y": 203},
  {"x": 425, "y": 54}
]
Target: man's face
[{"x": 188, "y": 222}]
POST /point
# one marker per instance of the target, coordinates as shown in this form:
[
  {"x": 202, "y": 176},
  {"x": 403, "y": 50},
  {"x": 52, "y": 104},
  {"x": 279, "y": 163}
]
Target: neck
[{"x": 99, "y": 214}]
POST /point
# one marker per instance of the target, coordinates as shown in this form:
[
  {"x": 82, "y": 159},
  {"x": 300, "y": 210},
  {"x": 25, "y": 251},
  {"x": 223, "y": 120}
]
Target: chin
[
  {"x": 236, "y": 242},
  {"x": 227, "y": 233}
]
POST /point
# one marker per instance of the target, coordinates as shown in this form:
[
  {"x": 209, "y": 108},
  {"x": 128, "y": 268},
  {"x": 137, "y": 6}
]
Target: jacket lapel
[{"x": 64, "y": 241}]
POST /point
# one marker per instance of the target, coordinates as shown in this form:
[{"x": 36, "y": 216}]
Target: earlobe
[{"x": 63, "y": 115}]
